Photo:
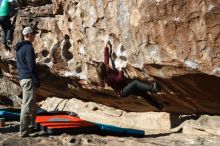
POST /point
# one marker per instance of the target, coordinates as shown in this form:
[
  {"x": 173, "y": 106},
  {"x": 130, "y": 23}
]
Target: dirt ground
[{"x": 9, "y": 137}]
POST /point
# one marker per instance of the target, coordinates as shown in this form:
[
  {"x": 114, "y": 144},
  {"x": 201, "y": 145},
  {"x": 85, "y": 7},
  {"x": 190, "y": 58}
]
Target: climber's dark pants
[
  {"x": 139, "y": 89},
  {"x": 6, "y": 28}
]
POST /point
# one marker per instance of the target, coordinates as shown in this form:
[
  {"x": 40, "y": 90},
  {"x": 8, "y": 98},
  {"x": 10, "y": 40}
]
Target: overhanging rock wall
[{"x": 175, "y": 42}]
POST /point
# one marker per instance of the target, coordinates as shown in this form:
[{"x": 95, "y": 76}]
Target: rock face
[{"x": 175, "y": 42}]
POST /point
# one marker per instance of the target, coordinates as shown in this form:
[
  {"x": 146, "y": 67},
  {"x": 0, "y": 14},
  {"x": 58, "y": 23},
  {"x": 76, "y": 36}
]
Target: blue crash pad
[
  {"x": 9, "y": 116},
  {"x": 114, "y": 130}
]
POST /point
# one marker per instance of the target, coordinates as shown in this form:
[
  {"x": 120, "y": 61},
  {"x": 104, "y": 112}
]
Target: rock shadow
[
  {"x": 66, "y": 54},
  {"x": 162, "y": 134},
  {"x": 6, "y": 101},
  {"x": 9, "y": 129},
  {"x": 176, "y": 119}
]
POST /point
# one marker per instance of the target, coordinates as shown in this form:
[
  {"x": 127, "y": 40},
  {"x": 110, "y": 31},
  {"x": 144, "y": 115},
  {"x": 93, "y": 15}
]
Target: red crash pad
[{"x": 56, "y": 124}]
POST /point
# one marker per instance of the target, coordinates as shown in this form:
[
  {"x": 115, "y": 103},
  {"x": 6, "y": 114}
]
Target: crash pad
[
  {"x": 114, "y": 130},
  {"x": 57, "y": 124},
  {"x": 9, "y": 116}
]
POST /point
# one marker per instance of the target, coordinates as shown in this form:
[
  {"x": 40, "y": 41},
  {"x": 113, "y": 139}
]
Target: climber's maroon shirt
[{"x": 115, "y": 79}]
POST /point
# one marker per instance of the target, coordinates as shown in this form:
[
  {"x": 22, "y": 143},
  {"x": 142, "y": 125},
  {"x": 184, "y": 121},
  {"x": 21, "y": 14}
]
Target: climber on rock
[
  {"x": 5, "y": 13},
  {"x": 115, "y": 78}
]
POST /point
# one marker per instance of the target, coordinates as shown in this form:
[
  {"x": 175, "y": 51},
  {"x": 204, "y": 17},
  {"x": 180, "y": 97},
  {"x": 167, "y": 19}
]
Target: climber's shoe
[{"x": 155, "y": 87}]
